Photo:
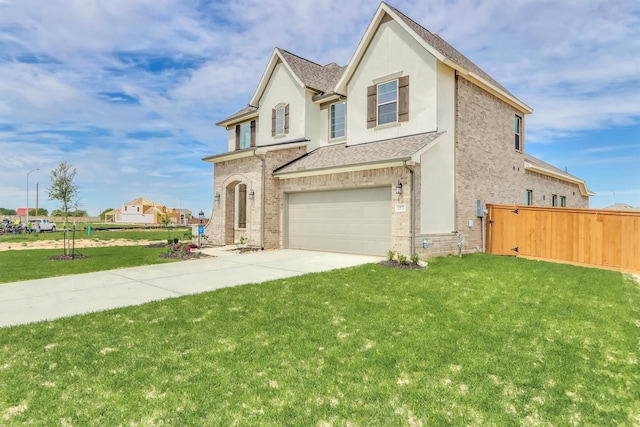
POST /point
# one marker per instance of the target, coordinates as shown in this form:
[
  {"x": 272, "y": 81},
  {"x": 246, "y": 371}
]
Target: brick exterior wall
[
  {"x": 400, "y": 221},
  {"x": 248, "y": 171},
  {"x": 489, "y": 167},
  {"x": 544, "y": 187}
]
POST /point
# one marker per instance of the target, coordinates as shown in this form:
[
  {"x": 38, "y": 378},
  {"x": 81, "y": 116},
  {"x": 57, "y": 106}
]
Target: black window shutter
[{"x": 237, "y": 137}]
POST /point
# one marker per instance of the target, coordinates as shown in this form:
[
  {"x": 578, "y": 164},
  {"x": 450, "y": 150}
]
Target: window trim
[
  {"x": 331, "y": 122},
  {"x": 279, "y": 121},
  {"x": 392, "y": 102},
  {"x": 529, "y": 198},
  {"x": 517, "y": 130}
]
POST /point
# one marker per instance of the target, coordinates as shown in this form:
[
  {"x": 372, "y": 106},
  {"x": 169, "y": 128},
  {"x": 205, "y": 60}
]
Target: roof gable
[
  {"x": 433, "y": 44},
  {"x": 305, "y": 73}
]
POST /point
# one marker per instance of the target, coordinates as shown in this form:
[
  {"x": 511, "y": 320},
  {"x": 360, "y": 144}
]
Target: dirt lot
[{"x": 81, "y": 243}]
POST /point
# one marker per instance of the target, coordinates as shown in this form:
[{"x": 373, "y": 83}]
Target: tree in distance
[
  {"x": 63, "y": 188},
  {"x": 38, "y": 212}
]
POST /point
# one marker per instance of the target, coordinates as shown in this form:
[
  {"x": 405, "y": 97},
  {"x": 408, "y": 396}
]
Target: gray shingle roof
[
  {"x": 537, "y": 162},
  {"x": 340, "y": 155},
  {"x": 314, "y": 76},
  {"x": 243, "y": 112},
  {"x": 446, "y": 49}
]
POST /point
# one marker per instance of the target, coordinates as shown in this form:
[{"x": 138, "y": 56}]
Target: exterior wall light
[
  {"x": 399, "y": 188},
  {"x": 201, "y": 217},
  {"x": 251, "y": 194},
  {"x": 217, "y": 197}
]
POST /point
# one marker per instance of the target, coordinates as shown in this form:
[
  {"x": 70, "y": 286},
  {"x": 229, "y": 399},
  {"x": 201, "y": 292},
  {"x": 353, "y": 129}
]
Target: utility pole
[{"x": 33, "y": 170}]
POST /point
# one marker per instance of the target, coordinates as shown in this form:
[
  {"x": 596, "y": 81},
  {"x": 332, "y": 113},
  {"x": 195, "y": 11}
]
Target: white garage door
[{"x": 351, "y": 221}]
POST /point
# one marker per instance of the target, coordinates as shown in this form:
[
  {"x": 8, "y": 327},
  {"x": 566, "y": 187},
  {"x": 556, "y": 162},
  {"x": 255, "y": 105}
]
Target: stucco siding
[{"x": 393, "y": 52}]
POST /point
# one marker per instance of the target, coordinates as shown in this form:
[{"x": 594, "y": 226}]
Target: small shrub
[
  {"x": 402, "y": 259},
  {"x": 415, "y": 258},
  {"x": 391, "y": 255},
  {"x": 176, "y": 240}
]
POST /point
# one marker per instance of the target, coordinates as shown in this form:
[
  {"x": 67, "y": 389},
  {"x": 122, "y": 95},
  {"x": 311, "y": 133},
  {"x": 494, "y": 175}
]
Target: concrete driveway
[{"x": 52, "y": 298}]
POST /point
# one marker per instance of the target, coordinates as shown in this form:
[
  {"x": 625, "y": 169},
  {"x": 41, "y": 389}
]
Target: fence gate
[{"x": 583, "y": 236}]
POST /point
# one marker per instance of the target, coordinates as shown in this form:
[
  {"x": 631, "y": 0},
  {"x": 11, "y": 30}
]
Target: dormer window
[
  {"x": 337, "y": 120},
  {"x": 280, "y": 120}
]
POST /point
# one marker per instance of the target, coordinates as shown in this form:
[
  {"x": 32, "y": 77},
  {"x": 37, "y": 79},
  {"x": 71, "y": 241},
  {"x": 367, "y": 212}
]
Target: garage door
[{"x": 351, "y": 221}]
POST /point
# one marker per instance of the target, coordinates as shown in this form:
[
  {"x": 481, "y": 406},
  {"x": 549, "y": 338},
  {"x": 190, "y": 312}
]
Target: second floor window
[
  {"x": 245, "y": 135},
  {"x": 388, "y": 102},
  {"x": 563, "y": 201},
  {"x": 529, "y": 197},
  {"x": 517, "y": 125},
  {"x": 338, "y": 117},
  {"x": 280, "y": 121},
  {"x": 554, "y": 200}
]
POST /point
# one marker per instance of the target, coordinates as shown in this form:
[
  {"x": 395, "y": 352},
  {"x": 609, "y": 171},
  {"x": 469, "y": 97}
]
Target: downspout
[
  {"x": 413, "y": 207},
  {"x": 263, "y": 197}
]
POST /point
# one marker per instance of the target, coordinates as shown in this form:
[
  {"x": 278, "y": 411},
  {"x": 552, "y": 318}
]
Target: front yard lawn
[
  {"x": 480, "y": 341},
  {"x": 35, "y": 264}
]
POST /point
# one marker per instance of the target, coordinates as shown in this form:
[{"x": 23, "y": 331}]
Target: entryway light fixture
[
  {"x": 217, "y": 197},
  {"x": 399, "y": 188},
  {"x": 251, "y": 194}
]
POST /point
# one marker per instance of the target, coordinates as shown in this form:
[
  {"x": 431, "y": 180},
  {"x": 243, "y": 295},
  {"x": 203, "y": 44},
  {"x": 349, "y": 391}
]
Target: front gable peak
[{"x": 305, "y": 73}]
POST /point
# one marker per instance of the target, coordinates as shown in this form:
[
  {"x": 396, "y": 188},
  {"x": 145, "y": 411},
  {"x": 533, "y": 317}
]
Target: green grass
[
  {"x": 35, "y": 264},
  {"x": 479, "y": 341},
  {"x": 136, "y": 234}
]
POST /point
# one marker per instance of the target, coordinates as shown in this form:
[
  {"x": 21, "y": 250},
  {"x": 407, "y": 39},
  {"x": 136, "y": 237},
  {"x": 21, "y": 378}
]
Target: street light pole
[{"x": 33, "y": 170}]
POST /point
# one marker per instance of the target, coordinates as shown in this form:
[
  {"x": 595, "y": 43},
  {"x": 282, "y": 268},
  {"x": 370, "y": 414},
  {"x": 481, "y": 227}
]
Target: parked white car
[{"x": 44, "y": 224}]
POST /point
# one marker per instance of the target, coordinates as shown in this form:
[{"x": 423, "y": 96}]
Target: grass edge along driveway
[{"x": 482, "y": 340}]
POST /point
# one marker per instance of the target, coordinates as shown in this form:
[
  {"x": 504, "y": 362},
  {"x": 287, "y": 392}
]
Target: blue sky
[{"x": 128, "y": 91}]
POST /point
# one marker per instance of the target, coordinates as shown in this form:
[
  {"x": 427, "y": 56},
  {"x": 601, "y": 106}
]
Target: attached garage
[{"x": 351, "y": 221}]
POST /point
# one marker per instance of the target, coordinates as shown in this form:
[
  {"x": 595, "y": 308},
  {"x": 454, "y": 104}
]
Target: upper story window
[
  {"x": 517, "y": 129},
  {"x": 554, "y": 200},
  {"x": 280, "y": 120},
  {"x": 388, "y": 102},
  {"x": 338, "y": 120},
  {"x": 246, "y": 135},
  {"x": 563, "y": 202}
]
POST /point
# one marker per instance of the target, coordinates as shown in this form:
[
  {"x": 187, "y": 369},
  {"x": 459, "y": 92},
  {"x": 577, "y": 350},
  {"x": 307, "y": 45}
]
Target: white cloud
[{"x": 191, "y": 63}]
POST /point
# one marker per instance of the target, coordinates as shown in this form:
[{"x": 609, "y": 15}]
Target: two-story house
[{"x": 391, "y": 151}]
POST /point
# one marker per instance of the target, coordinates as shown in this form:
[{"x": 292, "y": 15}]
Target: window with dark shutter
[
  {"x": 237, "y": 137},
  {"x": 372, "y": 106},
  {"x": 253, "y": 133},
  {"x": 403, "y": 99}
]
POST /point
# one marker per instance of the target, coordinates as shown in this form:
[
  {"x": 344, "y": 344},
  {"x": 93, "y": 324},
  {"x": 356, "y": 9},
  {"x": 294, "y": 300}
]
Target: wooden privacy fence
[{"x": 584, "y": 236}]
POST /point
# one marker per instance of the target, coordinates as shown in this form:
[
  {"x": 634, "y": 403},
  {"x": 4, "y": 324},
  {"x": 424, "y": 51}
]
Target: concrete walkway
[{"x": 52, "y": 298}]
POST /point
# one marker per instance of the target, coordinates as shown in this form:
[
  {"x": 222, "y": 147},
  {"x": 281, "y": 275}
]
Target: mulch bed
[
  {"x": 67, "y": 257},
  {"x": 396, "y": 264},
  {"x": 184, "y": 257}
]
